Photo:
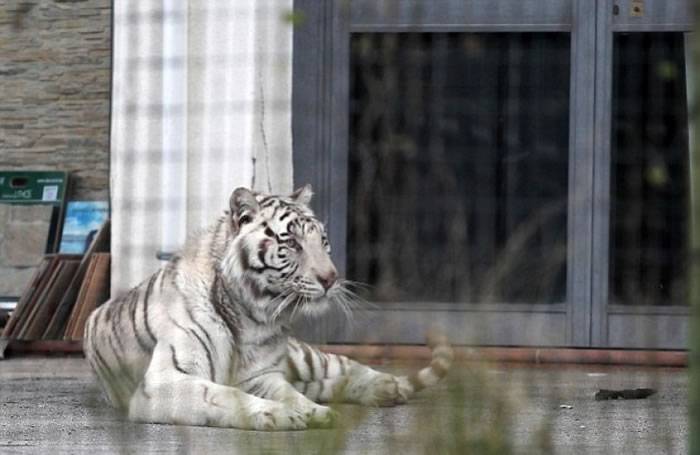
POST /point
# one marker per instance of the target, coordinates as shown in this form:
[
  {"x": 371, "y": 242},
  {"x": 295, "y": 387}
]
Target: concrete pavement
[{"x": 55, "y": 406}]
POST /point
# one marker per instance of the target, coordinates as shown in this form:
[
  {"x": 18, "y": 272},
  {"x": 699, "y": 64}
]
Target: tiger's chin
[
  {"x": 315, "y": 307},
  {"x": 312, "y": 305}
]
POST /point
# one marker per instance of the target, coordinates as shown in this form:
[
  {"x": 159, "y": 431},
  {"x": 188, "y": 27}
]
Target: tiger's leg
[
  {"x": 174, "y": 392},
  {"x": 274, "y": 386},
  {"x": 324, "y": 377}
]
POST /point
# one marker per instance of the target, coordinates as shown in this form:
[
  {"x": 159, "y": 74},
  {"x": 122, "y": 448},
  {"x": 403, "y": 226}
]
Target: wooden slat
[{"x": 48, "y": 347}]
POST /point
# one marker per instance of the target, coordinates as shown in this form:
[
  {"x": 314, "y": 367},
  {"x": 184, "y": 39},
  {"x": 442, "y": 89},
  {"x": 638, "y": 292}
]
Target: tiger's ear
[
  {"x": 243, "y": 206},
  {"x": 303, "y": 195}
]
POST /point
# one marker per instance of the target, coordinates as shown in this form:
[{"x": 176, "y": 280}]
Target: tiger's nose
[{"x": 328, "y": 279}]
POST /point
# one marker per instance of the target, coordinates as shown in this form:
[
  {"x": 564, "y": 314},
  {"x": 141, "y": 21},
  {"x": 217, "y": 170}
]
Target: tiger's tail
[{"x": 440, "y": 363}]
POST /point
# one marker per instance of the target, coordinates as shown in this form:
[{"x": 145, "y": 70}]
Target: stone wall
[{"x": 55, "y": 64}]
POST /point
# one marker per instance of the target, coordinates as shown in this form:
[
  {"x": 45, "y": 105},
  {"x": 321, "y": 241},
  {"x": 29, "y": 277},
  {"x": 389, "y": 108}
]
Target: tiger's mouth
[
  {"x": 340, "y": 297},
  {"x": 317, "y": 306},
  {"x": 292, "y": 306}
]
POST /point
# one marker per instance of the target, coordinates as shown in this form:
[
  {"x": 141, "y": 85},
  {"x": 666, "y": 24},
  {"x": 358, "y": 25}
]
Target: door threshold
[
  {"x": 375, "y": 353},
  {"x": 534, "y": 355}
]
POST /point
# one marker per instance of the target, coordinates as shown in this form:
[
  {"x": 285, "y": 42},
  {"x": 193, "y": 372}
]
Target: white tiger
[{"x": 205, "y": 340}]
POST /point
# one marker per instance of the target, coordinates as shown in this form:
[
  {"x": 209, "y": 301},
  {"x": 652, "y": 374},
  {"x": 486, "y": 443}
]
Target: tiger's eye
[
  {"x": 292, "y": 243},
  {"x": 269, "y": 233}
]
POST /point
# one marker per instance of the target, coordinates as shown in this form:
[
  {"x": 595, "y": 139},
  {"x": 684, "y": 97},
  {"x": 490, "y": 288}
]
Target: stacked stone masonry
[{"x": 55, "y": 63}]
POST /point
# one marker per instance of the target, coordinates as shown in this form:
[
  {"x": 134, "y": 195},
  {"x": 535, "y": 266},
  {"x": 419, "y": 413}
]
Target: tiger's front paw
[
  {"x": 279, "y": 418},
  {"x": 381, "y": 390},
  {"x": 321, "y": 417}
]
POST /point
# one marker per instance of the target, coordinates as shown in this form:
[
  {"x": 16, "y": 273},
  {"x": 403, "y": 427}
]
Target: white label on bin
[{"x": 50, "y": 193}]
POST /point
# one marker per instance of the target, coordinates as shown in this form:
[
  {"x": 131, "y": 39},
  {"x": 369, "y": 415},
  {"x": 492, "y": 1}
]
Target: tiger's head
[{"x": 280, "y": 254}]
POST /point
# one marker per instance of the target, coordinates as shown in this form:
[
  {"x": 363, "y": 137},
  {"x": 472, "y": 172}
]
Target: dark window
[
  {"x": 458, "y": 166},
  {"x": 649, "y": 219}
]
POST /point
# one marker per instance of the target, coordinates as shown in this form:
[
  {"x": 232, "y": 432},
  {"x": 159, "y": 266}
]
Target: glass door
[
  {"x": 640, "y": 297},
  {"x": 452, "y": 148}
]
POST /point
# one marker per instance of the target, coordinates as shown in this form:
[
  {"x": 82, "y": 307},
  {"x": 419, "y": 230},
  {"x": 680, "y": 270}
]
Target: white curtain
[{"x": 201, "y": 104}]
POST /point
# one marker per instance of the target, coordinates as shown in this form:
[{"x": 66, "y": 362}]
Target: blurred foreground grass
[{"x": 472, "y": 412}]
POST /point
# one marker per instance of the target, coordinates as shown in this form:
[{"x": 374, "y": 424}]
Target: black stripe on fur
[{"x": 175, "y": 362}]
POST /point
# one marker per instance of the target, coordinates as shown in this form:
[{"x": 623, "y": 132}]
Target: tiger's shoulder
[{"x": 195, "y": 265}]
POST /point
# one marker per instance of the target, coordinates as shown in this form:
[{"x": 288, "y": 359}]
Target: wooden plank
[
  {"x": 37, "y": 296},
  {"x": 57, "y": 327},
  {"x": 46, "y": 308},
  {"x": 48, "y": 347},
  {"x": 96, "y": 293},
  {"x": 81, "y": 297}
]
